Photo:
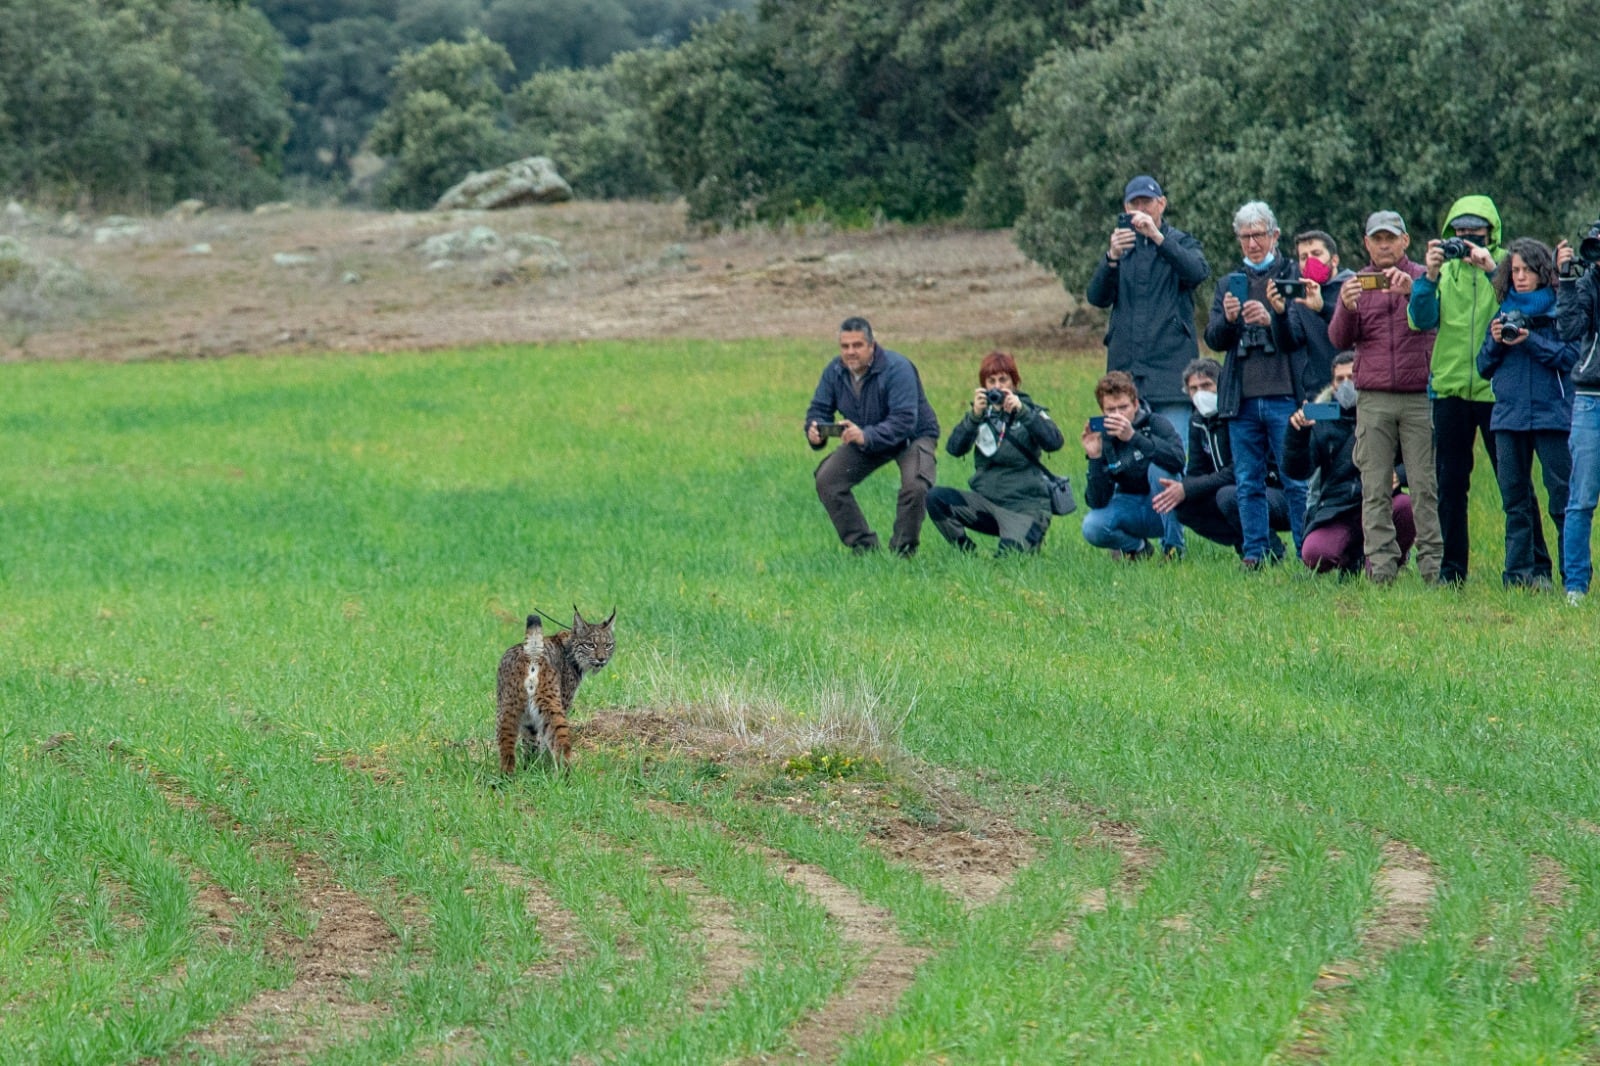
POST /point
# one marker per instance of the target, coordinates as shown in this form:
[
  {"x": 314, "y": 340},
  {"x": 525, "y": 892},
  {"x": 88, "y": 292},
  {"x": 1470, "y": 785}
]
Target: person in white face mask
[{"x": 1205, "y": 497}]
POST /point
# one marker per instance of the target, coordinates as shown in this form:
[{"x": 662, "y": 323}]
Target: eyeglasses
[{"x": 1254, "y": 238}]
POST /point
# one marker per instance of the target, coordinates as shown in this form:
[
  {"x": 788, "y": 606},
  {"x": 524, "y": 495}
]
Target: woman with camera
[
  {"x": 1009, "y": 495},
  {"x": 1530, "y": 367}
]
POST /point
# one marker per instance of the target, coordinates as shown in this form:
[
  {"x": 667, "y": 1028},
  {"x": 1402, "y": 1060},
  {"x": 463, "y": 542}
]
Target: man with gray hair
[
  {"x": 1260, "y": 385},
  {"x": 886, "y": 418}
]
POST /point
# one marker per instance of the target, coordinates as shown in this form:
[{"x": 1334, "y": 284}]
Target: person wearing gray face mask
[
  {"x": 1205, "y": 497},
  {"x": 1323, "y": 450}
]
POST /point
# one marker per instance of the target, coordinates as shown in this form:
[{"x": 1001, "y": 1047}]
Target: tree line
[{"x": 1001, "y": 112}]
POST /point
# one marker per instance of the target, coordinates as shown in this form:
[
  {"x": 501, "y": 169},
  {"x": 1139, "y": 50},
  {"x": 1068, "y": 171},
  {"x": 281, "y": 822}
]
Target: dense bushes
[
  {"x": 139, "y": 101},
  {"x": 1327, "y": 114}
]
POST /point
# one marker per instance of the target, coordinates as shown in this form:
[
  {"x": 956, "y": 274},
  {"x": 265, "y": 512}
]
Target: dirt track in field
[{"x": 225, "y": 283}]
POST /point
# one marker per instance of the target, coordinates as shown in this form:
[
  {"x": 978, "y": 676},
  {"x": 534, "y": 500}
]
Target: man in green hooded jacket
[{"x": 1456, "y": 296}]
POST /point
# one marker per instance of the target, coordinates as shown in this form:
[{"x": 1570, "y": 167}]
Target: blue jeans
[
  {"x": 1583, "y": 491},
  {"x": 1256, "y": 433},
  {"x": 1178, "y": 414},
  {"x": 1128, "y": 522}
]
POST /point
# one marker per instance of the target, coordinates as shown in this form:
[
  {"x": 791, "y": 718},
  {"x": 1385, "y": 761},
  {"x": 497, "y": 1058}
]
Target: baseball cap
[
  {"x": 1143, "y": 185},
  {"x": 1385, "y": 221},
  {"x": 1469, "y": 222}
]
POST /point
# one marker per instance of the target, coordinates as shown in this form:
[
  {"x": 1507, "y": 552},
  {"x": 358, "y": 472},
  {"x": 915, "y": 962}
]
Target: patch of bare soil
[
  {"x": 873, "y": 993},
  {"x": 950, "y": 838},
  {"x": 289, "y": 1024},
  {"x": 313, "y": 279},
  {"x": 1404, "y": 889}
]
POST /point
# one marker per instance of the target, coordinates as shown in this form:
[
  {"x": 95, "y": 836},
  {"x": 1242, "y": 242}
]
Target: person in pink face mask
[{"x": 1308, "y": 316}]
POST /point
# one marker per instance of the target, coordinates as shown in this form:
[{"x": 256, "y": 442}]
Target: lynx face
[{"x": 592, "y": 643}]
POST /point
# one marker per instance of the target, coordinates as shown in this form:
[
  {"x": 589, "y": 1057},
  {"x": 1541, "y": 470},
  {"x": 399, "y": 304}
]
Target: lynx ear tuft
[{"x": 611, "y": 618}]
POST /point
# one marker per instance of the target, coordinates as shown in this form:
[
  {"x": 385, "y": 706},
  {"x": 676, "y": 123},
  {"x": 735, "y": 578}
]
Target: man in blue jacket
[
  {"x": 885, "y": 417},
  {"x": 1147, "y": 279}
]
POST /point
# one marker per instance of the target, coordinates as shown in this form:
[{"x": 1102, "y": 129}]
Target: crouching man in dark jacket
[
  {"x": 1206, "y": 498},
  {"x": 1128, "y": 456},
  {"x": 1009, "y": 496},
  {"x": 886, "y": 418}
]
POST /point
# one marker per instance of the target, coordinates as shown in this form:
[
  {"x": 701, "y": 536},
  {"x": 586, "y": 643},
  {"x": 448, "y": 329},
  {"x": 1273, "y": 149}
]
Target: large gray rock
[{"x": 527, "y": 181}]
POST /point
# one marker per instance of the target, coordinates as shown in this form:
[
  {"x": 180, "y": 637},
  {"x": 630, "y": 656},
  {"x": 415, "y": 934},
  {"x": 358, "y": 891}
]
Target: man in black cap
[{"x": 1147, "y": 279}]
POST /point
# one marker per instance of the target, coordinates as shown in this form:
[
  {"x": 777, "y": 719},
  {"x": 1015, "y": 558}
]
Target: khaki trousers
[{"x": 1393, "y": 427}]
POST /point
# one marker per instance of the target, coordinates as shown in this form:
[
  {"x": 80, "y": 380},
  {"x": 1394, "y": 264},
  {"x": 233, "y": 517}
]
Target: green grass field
[{"x": 250, "y": 613}]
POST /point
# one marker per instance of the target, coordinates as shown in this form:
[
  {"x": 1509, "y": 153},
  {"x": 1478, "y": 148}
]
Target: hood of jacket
[
  {"x": 1475, "y": 204},
  {"x": 1467, "y": 303}
]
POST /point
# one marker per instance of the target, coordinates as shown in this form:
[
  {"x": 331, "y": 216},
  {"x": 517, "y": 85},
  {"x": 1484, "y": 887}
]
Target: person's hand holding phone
[
  {"x": 852, "y": 433},
  {"x": 1255, "y": 313},
  {"x": 1399, "y": 281},
  {"x": 1092, "y": 444},
  {"x": 1121, "y": 241}
]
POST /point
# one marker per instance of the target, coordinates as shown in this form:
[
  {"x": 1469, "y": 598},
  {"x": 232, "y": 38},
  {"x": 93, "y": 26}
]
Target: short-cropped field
[{"x": 823, "y": 808}]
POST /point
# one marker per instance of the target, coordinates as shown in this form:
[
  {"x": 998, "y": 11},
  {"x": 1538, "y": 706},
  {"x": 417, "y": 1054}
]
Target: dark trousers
[
  {"x": 1457, "y": 425},
  {"x": 1216, "y": 518},
  {"x": 1524, "y": 527},
  {"x": 848, "y": 466},
  {"x": 954, "y": 511}
]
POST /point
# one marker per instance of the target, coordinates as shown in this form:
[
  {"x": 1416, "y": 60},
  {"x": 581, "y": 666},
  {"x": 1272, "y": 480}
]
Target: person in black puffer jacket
[
  {"x": 1333, "y": 514},
  {"x": 1009, "y": 496}
]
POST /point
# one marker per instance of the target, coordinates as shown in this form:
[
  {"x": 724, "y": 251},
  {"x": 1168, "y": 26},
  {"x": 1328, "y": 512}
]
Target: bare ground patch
[
  {"x": 1404, "y": 889},
  {"x": 358, "y": 281},
  {"x": 349, "y": 940},
  {"x": 924, "y": 821},
  {"x": 890, "y": 968}
]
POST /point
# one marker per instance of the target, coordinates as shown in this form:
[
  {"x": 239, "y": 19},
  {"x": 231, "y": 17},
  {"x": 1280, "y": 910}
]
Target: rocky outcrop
[{"x": 527, "y": 181}]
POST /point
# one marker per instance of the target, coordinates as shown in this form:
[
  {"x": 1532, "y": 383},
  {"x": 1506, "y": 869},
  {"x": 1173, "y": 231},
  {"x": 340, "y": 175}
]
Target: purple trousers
[{"x": 1337, "y": 545}]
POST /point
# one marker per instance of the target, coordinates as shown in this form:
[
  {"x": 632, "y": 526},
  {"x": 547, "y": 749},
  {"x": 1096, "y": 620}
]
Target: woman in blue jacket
[{"x": 1530, "y": 367}]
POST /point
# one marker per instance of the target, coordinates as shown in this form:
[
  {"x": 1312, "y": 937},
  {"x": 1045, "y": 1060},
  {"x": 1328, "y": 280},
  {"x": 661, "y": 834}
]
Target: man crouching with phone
[
  {"x": 1130, "y": 449},
  {"x": 1393, "y": 416},
  {"x": 886, "y": 418}
]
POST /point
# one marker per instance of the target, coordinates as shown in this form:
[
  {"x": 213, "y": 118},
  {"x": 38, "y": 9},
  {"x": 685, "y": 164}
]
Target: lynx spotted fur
[{"x": 537, "y": 681}]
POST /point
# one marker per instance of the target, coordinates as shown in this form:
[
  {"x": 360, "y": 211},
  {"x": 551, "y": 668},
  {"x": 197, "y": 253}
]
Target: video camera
[{"x": 1588, "y": 253}]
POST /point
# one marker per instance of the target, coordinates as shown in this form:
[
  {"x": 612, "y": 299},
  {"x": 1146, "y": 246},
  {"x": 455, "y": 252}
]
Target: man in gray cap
[
  {"x": 1393, "y": 418},
  {"x": 1147, "y": 279}
]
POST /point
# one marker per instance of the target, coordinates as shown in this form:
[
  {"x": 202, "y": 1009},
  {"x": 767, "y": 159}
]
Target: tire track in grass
[
  {"x": 314, "y": 1009},
  {"x": 349, "y": 940},
  {"x": 1552, "y": 893},
  {"x": 1403, "y": 889},
  {"x": 728, "y": 954},
  {"x": 890, "y": 968},
  {"x": 1137, "y": 860},
  {"x": 874, "y": 992}
]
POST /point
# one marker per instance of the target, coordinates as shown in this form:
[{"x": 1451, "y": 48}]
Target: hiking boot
[{"x": 1172, "y": 554}]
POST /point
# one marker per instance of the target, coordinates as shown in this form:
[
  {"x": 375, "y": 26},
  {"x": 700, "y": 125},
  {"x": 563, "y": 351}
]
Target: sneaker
[
  {"x": 1171, "y": 554},
  {"x": 1134, "y": 556},
  {"x": 1575, "y": 598}
]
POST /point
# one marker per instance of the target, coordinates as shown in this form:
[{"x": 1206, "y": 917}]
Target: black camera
[
  {"x": 1455, "y": 247},
  {"x": 1513, "y": 324},
  {"x": 994, "y": 398},
  {"x": 1589, "y": 247},
  {"x": 1125, "y": 220}
]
